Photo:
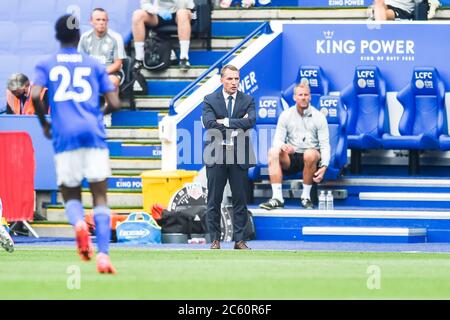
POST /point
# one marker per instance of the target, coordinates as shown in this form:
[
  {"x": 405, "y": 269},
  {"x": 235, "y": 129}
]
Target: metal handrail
[{"x": 263, "y": 27}]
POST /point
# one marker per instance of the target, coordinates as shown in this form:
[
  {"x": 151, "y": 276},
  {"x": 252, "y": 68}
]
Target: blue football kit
[{"x": 75, "y": 82}]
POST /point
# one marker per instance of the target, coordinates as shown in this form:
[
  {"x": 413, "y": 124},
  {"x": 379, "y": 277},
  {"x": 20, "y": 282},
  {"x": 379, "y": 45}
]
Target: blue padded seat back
[
  {"x": 316, "y": 79},
  {"x": 36, "y": 10},
  {"x": 9, "y": 37},
  {"x": 268, "y": 110},
  {"x": 38, "y": 38},
  {"x": 263, "y": 142},
  {"x": 423, "y": 103},
  {"x": 365, "y": 99},
  {"x": 334, "y": 111},
  {"x": 426, "y": 116}
]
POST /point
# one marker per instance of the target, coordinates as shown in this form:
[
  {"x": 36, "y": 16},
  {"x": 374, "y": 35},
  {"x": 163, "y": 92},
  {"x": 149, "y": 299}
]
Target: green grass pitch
[{"x": 57, "y": 273}]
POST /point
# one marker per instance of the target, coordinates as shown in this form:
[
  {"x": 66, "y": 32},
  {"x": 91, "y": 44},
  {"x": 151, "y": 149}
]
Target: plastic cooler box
[{"x": 159, "y": 186}]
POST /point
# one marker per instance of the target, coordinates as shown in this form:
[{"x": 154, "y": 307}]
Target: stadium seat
[
  {"x": 201, "y": 27},
  {"x": 317, "y": 81},
  {"x": 336, "y": 114},
  {"x": 9, "y": 39},
  {"x": 80, "y": 8},
  {"x": 119, "y": 13},
  {"x": 28, "y": 63},
  {"x": 9, "y": 64},
  {"x": 36, "y": 10},
  {"x": 268, "y": 110},
  {"x": 365, "y": 99},
  {"x": 8, "y": 10},
  {"x": 423, "y": 116},
  {"x": 37, "y": 38}
]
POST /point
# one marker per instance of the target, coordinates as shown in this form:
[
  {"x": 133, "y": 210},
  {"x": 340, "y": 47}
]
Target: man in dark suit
[{"x": 227, "y": 116}]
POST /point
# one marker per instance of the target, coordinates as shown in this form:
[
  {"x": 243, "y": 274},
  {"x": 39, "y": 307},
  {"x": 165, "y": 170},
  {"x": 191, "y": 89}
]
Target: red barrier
[{"x": 17, "y": 166}]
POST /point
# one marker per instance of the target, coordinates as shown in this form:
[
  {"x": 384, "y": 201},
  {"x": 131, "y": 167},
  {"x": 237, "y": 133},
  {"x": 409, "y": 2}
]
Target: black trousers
[{"x": 217, "y": 179}]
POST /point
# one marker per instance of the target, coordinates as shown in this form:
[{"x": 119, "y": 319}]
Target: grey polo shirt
[
  {"x": 105, "y": 49},
  {"x": 309, "y": 131}
]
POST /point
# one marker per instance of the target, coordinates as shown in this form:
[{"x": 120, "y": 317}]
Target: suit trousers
[{"x": 217, "y": 176}]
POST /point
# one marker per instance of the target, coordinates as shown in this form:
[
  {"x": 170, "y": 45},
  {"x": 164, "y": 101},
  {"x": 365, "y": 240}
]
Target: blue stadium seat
[
  {"x": 119, "y": 13},
  {"x": 36, "y": 10},
  {"x": 37, "y": 38},
  {"x": 365, "y": 99},
  {"x": 336, "y": 114},
  {"x": 9, "y": 64},
  {"x": 317, "y": 80},
  {"x": 80, "y": 8},
  {"x": 28, "y": 63},
  {"x": 9, "y": 38},
  {"x": 8, "y": 10},
  {"x": 268, "y": 110},
  {"x": 423, "y": 116}
]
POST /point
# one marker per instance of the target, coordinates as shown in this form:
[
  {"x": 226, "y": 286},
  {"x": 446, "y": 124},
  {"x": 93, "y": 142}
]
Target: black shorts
[
  {"x": 296, "y": 164},
  {"x": 401, "y": 14},
  {"x": 172, "y": 21}
]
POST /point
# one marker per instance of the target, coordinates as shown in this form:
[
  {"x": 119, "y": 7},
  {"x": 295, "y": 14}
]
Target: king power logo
[{"x": 369, "y": 50}]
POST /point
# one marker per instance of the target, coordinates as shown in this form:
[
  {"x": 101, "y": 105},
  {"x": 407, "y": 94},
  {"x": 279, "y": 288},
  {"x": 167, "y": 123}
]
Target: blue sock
[
  {"x": 102, "y": 228},
  {"x": 74, "y": 211}
]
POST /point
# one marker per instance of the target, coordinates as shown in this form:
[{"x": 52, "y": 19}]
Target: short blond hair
[{"x": 304, "y": 84}]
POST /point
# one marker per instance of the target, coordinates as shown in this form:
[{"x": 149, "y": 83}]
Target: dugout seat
[
  {"x": 36, "y": 10},
  {"x": 37, "y": 38},
  {"x": 365, "y": 99},
  {"x": 336, "y": 114},
  {"x": 9, "y": 38},
  {"x": 268, "y": 110},
  {"x": 423, "y": 116},
  {"x": 201, "y": 26},
  {"x": 8, "y": 65},
  {"x": 316, "y": 79}
]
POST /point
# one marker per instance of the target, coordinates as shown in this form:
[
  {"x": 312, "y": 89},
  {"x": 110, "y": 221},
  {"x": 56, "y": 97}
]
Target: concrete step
[
  {"x": 132, "y": 133},
  {"x": 57, "y": 213},
  {"x": 175, "y": 73},
  {"x": 115, "y": 199},
  {"x": 364, "y": 234},
  {"x": 289, "y": 14},
  {"x": 60, "y": 230},
  {"x": 151, "y": 103},
  {"x": 287, "y": 223},
  {"x": 134, "y": 164}
]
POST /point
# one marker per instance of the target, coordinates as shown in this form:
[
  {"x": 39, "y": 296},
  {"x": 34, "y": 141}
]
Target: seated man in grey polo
[{"x": 105, "y": 45}]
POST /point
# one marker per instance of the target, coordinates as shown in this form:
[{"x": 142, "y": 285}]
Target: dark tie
[{"x": 230, "y": 106}]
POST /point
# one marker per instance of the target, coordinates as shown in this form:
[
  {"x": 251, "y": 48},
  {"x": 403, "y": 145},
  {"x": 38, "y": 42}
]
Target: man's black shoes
[
  {"x": 272, "y": 204},
  {"x": 307, "y": 204},
  {"x": 184, "y": 65}
]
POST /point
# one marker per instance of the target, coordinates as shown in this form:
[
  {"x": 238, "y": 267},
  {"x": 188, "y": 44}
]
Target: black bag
[
  {"x": 188, "y": 221},
  {"x": 133, "y": 83},
  {"x": 227, "y": 227},
  {"x": 156, "y": 52}
]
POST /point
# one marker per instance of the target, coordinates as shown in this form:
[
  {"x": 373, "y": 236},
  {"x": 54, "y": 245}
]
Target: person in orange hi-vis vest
[{"x": 18, "y": 97}]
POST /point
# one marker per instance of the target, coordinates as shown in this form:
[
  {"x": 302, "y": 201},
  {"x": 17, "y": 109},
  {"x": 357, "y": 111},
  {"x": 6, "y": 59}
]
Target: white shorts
[{"x": 90, "y": 163}]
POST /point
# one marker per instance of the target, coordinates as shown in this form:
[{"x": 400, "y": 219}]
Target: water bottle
[
  {"x": 322, "y": 200},
  {"x": 330, "y": 200}
]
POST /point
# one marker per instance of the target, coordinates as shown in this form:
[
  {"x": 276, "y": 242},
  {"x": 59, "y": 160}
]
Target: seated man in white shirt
[{"x": 301, "y": 143}]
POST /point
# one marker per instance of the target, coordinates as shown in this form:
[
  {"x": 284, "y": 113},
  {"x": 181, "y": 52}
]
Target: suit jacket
[{"x": 243, "y": 119}]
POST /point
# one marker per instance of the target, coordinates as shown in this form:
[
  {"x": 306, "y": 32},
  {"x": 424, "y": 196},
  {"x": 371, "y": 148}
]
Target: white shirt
[
  {"x": 309, "y": 131},
  {"x": 405, "y": 5},
  {"x": 226, "y": 121}
]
